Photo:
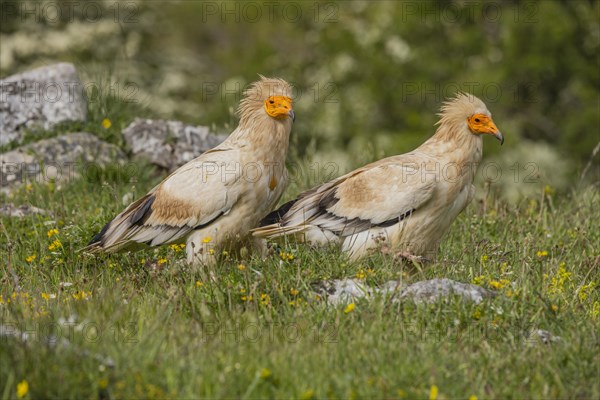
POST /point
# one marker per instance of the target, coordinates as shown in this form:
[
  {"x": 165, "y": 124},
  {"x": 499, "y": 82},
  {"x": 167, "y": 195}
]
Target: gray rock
[
  {"x": 40, "y": 98},
  {"x": 9, "y": 332},
  {"x": 169, "y": 144},
  {"x": 10, "y": 210},
  {"x": 536, "y": 336},
  {"x": 340, "y": 291},
  {"x": 347, "y": 290},
  {"x": 432, "y": 290},
  {"x": 60, "y": 158}
]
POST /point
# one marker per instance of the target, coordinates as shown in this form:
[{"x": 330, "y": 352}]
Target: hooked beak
[
  {"x": 500, "y": 137},
  {"x": 481, "y": 124},
  {"x": 292, "y": 115}
]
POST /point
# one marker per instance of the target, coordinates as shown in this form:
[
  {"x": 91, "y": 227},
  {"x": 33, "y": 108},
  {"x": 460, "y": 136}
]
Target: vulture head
[
  {"x": 469, "y": 114},
  {"x": 267, "y": 102}
]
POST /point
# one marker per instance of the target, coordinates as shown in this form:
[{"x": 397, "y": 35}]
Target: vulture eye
[
  {"x": 271, "y": 102},
  {"x": 477, "y": 120}
]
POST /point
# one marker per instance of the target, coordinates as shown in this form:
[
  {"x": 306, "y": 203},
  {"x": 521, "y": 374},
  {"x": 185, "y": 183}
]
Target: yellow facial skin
[
  {"x": 482, "y": 124},
  {"x": 279, "y": 107}
]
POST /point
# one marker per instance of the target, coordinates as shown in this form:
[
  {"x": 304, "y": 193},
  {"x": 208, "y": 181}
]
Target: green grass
[
  {"x": 231, "y": 332},
  {"x": 176, "y": 333}
]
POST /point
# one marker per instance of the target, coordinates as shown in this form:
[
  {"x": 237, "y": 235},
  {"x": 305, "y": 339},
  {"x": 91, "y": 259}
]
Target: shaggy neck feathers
[
  {"x": 256, "y": 127},
  {"x": 453, "y": 131}
]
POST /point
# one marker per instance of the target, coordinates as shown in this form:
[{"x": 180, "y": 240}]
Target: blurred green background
[{"x": 369, "y": 75}]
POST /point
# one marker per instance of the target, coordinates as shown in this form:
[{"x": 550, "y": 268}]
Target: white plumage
[
  {"x": 406, "y": 202},
  {"x": 214, "y": 200}
]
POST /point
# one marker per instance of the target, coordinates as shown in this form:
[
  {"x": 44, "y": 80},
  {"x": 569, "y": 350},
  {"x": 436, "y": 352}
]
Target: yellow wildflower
[
  {"x": 548, "y": 190},
  {"x": 542, "y": 253},
  {"x": 55, "y": 245},
  {"x": 211, "y": 251},
  {"x": 498, "y": 284},
  {"x": 29, "y": 187},
  {"x": 478, "y": 280},
  {"x": 81, "y": 295},
  {"x": 162, "y": 260},
  {"x": 585, "y": 289},
  {"x": 286, "y": 256},
  {"x": 264, "y": 299},
  {"x": 106, "y": 124},
  {"x": 433, "y": 393},
  {"x": 52, "y": 232},
  {"x": 361, "y": 274},
  {"x": 103, "y": 383},
  {"x": 349, "y": 308},
  {"x": 242, "y": 267},
  {"x": 22, "y": 389},
  {"x": 177, "y": 247},
  {"x": 554, "y": 307},
  {"x": 265, "y": 373},
  {"x": 307, "y": 395},
  {"x": 31, "y": 258},
  {"x": 472, "y": 397},
  {"x": 558, "y": 281},
  {"x": 199, "y": 284},
  {"x": 225, "y": 253},
  {"x": 45, "y": 296},
  {"x": 294, "y": 292},
  {"x": 207, "y": 239}
]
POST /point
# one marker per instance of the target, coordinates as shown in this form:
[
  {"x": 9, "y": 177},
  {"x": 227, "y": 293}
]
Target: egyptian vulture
[
  {"x": 405, "y": 202},
  {"x": 214, "y": 200}
]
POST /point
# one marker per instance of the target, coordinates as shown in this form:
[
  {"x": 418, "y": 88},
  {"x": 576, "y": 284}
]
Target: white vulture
[
  {"x": 405, "y": 202},
  {"x": 214, "y": 200}
]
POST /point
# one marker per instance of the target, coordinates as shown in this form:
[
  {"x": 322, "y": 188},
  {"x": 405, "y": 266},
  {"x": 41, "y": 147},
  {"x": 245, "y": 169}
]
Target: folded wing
[
  {"x": 193, "y": 197},
  {"x": 378, "y": 195}
]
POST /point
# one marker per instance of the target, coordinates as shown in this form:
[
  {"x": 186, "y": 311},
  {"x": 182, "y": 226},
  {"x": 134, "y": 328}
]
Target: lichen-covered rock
[
  {"x": 535, "y": 336},
  {"x": 169, "y": 144},
  {"x": 40, "y": 98},
  {"x": 347, "y": 290},
  {"x": 60, "y": 158},
  {"x": 339, "y": 291},
  {"x": 432, "y": 290},
  {"x": 10, "y": 210}
]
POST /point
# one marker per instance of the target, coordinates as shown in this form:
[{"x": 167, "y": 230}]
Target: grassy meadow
[
  {"x": 372, "y": 76},
  {"x": 143, "y": 325}
]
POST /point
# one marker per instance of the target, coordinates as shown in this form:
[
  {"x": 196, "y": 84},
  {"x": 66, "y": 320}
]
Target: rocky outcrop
[
  {"x": 430, "y": 291},
  {"x": 168, "y": 144},
  {"x": 40, "y": 98},
  {"x": 60, "y": 158},
  {"x": 10, "y": 210}
]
